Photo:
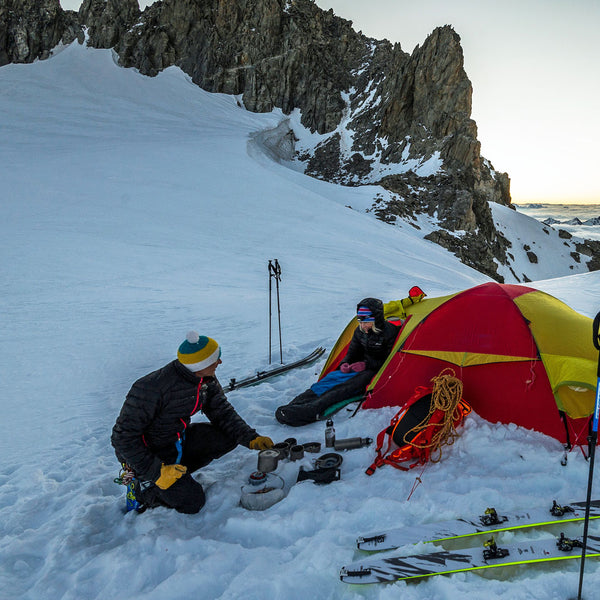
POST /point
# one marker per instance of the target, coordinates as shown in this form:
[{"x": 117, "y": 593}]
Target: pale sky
[{"x": 534, "y": 66}]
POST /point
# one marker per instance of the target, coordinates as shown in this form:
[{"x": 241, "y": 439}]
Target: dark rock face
[
  {"x": 589, "y": 248},
  {"x": 108, "y": 20},
  {"x": 273, "y": 52},
  {"x": 30, "y": 29}
]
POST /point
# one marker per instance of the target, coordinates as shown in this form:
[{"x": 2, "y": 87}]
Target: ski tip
[
  {"x": 355, "y": 574},
  {"x": 370, "y": 542}
]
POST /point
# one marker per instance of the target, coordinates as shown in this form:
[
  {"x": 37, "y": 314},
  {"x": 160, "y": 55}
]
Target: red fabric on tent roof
[{"x": 479, "y": 325}]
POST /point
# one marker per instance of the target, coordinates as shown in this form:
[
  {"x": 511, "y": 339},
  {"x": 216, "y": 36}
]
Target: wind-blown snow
[{"x": 136, "y": 209}]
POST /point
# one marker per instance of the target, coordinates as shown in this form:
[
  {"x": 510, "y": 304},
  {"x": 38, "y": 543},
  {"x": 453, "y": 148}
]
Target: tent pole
[{"x": 593, "y": 440}]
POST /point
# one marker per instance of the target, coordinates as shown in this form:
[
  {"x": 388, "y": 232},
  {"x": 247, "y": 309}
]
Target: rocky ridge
[
  {"x": 384, "y": 116},
  {"x": 30, "y": 29}
]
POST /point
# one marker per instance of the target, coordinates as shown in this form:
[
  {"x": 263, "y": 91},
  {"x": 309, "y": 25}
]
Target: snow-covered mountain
[
  {"x": 138, "y": 208},
  {"x": 376, "y": 114}
]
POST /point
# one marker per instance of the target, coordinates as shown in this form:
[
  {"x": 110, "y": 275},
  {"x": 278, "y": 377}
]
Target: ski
[
  {"x": 380, "y": 569},
  {"x": 260, "y": 376},
  {"x": 490, "y": 522}
]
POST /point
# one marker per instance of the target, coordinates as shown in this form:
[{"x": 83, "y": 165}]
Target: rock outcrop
[
  {"x": 108, "y": 20},
  {"x": 30, "y": 29}
]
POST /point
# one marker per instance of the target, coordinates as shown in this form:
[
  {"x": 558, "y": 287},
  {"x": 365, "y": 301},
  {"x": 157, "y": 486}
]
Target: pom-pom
[{"x": 192, "y": 337}]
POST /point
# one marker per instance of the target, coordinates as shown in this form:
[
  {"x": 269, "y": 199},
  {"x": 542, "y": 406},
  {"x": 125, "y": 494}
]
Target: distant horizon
[{"x": 554, "y": 202}]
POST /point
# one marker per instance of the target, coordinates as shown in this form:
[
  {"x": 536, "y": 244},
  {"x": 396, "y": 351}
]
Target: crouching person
[
  {"x": 153, "y": 435},
  {"x": 371, "y": 343}
]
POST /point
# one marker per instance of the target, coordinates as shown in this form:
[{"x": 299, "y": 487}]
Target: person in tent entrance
[
  {"x": 154, "y": 439},
  {"x": 371, "y": 343}
]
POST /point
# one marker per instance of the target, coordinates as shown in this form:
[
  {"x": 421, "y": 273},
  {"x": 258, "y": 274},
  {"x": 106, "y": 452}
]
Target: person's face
[
  {"x": 365, "y": 326},
  {"x": 210, "y": 370}
]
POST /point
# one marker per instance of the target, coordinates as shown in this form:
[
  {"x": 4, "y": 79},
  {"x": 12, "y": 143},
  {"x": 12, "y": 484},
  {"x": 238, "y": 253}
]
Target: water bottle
[
  {"x": 351, "y": 443},
  {"x": 329, "y": 434}
]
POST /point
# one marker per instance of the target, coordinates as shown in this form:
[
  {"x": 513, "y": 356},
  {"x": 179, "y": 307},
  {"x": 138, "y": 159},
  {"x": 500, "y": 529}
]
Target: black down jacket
[
  {"x": 157, "y": 411},
  {"x": 372, "y": 347}
]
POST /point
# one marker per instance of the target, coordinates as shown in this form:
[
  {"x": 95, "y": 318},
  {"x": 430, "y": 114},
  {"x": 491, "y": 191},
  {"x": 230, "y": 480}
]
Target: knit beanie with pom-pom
[{"x": 198, "y": 352}]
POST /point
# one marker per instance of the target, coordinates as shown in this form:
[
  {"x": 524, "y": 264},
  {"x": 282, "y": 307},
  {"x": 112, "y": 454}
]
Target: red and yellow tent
[{"x": 523, "y": 356}]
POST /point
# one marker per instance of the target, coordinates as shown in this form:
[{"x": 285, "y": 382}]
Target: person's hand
[
  {"x": 345, "y": 368},
  {"x": 169, "y": 474},
  {"x": 359, "y": 366},
  {"x": 261, "y": 442}
]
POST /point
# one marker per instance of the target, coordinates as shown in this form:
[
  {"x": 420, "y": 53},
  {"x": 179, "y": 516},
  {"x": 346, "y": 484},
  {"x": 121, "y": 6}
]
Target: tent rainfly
[{"x": 523, "y": 356}]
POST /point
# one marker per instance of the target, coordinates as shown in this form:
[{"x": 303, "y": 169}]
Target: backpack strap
[
  {"x": 385, "y": 456},
  {"x": 427, "y": 438}
]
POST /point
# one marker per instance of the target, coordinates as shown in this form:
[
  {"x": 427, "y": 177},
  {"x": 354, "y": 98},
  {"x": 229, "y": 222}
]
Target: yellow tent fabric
[{"x": 564, "y": 339}]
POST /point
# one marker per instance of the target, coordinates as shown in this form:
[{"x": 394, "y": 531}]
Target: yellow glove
[
  {"x": 261, "y": 442},
  {"x": 169, "y": 474}
]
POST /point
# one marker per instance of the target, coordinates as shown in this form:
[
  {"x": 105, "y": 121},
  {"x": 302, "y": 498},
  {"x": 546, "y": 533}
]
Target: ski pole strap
[{"x": 380, "y": 459}]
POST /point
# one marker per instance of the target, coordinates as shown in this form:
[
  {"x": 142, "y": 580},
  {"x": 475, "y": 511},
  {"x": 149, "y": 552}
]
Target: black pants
[
  {"x": 307, "y": 407},
  {"x": 203, "y": 443}
]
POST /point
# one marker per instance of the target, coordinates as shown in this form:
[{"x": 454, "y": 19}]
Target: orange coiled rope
[{"x": 446, "y": 395}]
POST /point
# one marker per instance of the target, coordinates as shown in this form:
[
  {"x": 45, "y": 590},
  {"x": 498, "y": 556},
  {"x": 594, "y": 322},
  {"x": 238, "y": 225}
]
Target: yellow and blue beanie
[{"x": 198, "y": 352}]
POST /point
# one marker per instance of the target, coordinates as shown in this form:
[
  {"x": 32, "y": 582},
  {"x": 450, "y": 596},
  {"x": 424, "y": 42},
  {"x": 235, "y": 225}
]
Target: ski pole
[
  {"x": 592, "y": 439},
  {"x": 277, "y": 280},
  {"x": 270, "y": 288},
  {"x": 275, "y": 273}
]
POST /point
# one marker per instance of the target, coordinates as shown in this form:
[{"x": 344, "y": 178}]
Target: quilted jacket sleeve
[
  {"x": 139, "y": 409},
  {"x": 222, "y": 414},
  {"x": 355, "y": 350}
]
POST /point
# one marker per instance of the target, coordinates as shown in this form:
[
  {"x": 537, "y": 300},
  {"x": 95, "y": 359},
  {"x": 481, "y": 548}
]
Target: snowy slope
[
  {"x": 135, "y": 209},
  {"x": 537, "y": 251}
]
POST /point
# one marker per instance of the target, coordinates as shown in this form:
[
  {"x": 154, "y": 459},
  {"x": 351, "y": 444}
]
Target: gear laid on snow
[
  {"x": 426, "y": 423},
  {"x": 469, "y": 526},
  {"x": 262, "y": 491},
  {"x": 352, "y": 443},
  {"x": 381, "y": 569},
  {"x": 261, "y": 376}
]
